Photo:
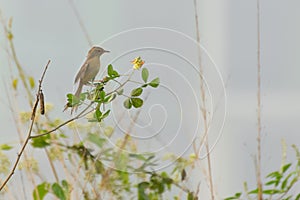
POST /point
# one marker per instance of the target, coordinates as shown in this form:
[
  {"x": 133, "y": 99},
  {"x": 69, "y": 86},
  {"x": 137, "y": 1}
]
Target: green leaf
[
  {"x": 58, "y": 191},
  {"x": 297, "y": 197},
  {"x": 110, "y": 98},
  {"x": 236, "y": 196},
  {"x": 41, "y": 142},
  {"x": 285, "y": 181},
  {"x": 40, "y": 191},
  {"x": 272, "y": 182},
  {"x": 98, "y": 115},
  {"x": 70, "y": 96},
  {"x": 253, "y": 191},
  {"x": 136, "y": 92},
  {"x": 276, "y": 177},
  {"x": 275, "y": 174},
  {"x": 293, "y": 181},
  {"x": 127, "y": 103},
  {"x": 5, "y": 147},
  {"x": 145, "y": 74},
  {"x": 65, "y": 185},
  {"x": 82, "y": 96},
  {"x": 121, "y": 162},
  {"x": 191, "y": 196},
  {"x": 154, "y": 83},
  {"x": 288, "y": 197},
  {"x": 110, "y": 70},
  {"x": 160, "y": 187},
  {"x": 94, "y": 138},
  {"x": 141, "y": 191},
  {"x": 102, "y": 95},
  {"x": 138, "y": 156},
  {"x": 286, "y": 167},
  {"x": 99, "y": 167},
  {"x": 72, "y": 100},
  {"x": 137, "y": 102},
  {"x": 168, "y": 181},
  {"x": 115, "y": 74},
  {"x": 105, "y": 114},
  {"x": 124, "y": 177},
  {"x": 271, "y": 191}
]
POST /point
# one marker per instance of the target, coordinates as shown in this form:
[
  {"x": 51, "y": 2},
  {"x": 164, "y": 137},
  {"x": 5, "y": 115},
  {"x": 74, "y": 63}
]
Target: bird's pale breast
[{"x": 92, "y": 70}]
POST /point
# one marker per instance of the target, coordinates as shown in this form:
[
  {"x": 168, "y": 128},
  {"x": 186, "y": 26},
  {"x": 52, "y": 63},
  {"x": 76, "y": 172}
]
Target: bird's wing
[{"x": 81, "y": 72}]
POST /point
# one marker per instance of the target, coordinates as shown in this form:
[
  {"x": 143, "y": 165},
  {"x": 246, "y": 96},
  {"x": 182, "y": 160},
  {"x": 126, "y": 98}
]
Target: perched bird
[
  {"x": 87, "y": 72},
  {"x": 89, "y": 69}
]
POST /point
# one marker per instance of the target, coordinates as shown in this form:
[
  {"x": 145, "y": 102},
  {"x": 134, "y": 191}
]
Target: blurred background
[{"x": 46, "y": 30}]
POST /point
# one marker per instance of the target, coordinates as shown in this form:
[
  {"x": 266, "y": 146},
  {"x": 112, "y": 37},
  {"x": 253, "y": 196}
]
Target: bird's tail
[
  {"x": 77, "y": 94},
  {"x": 78, "y": 91}
]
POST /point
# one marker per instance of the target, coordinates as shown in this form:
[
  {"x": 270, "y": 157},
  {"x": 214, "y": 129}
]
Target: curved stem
[{"x": 29, "y": 131}]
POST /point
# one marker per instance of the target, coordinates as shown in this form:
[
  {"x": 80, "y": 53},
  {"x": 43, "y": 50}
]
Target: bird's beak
[{"x": 106, "y": 51}]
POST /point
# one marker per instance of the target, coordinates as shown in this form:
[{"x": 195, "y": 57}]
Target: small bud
[
  {"x": 15, "y": 83},
  {"x": 183, "y": 175},
  {"x": 42, "y": 103},
  {"x": 9, "y": 35},
  {"x": 31, "y": 82}
]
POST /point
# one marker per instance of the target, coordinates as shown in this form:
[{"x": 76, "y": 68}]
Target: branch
[
  {"x": 64, "y": 123},
  {"x": 258, "y": 164},
  {"x": 184, "y": 189},
  {"x": 30, "y": 129},
  {"x": 82, "y": 113},
  {"x": 204, "y": 108},
  {"x": 82, "y": 26}
]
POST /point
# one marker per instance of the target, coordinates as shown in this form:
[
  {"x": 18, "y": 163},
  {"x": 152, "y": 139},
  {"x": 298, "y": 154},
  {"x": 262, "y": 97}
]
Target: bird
[
  {"x": 89, "y": 69},
  {"x": 87, "y": 72}
]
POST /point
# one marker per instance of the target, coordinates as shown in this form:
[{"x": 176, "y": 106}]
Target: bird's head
[{"x": 96, "y": 51}]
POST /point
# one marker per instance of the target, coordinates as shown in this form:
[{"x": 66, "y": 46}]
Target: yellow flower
[{"x": 137, "y": 63}]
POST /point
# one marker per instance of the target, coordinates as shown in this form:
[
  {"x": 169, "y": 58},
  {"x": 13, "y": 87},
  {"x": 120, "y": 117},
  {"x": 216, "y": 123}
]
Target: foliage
[
  {"x": 279, "y": 183},
  {"x": 99, "y": 96},
  {"x": 80, "y": 168},
  {"x": 84, "y": 163}
]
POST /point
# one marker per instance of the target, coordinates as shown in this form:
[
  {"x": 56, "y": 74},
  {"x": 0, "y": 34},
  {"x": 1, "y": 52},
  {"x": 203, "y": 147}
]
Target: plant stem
[
  {"x": 258, "y": 167},
  {"x": 203, "y": 99},
  {"x": 29, "y": 131}
]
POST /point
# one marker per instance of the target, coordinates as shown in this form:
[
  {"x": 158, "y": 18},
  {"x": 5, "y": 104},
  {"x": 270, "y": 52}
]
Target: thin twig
[
  {"x": 29, "y": 132},
  {"x": 203, "y": 99},
  {"x": 258, "y": 163},
  {"x": 120, "y": 86},
  {"x": 258, "y": 166},
  {"x": 86, "y": 34},
  {"x": 52, "y": 165},
  {"x": 64, "y": 123}
]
